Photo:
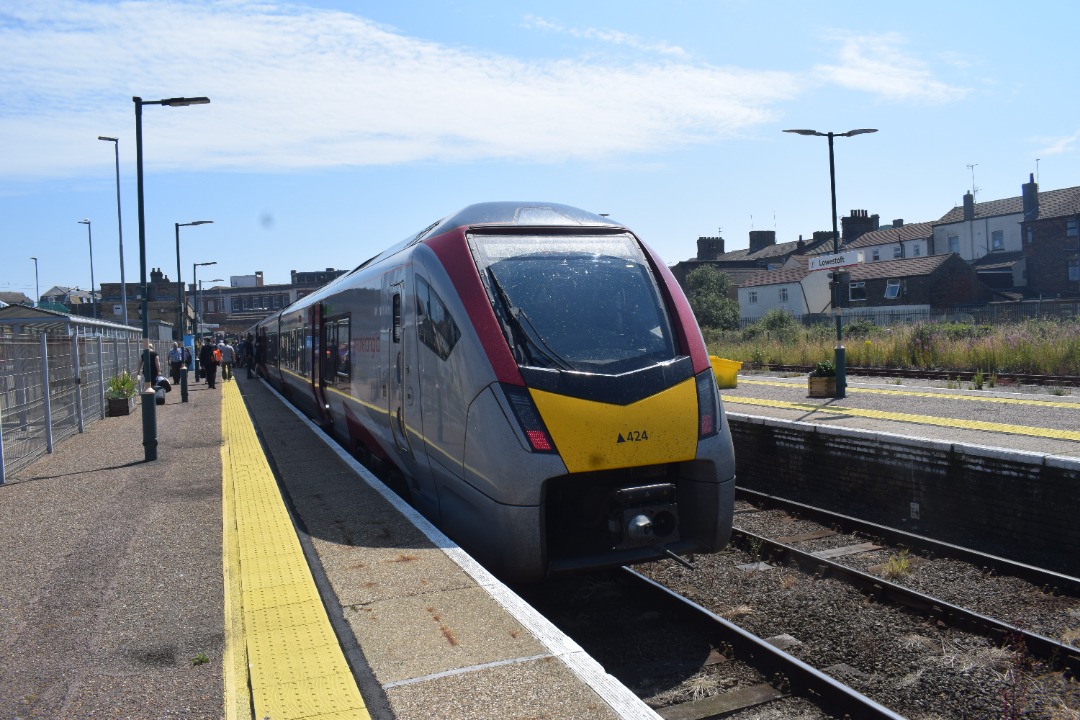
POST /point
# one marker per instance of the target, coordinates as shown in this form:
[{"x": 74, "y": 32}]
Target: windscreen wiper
[{"x": 520, "y": 337}]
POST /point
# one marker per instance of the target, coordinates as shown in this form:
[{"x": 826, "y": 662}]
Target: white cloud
[
  {"x": 876, "y": 64},
  {"x": 614, "y": 37},
  {"x": 295, "y": 87},
  {"x": 1057, "y": 145}
]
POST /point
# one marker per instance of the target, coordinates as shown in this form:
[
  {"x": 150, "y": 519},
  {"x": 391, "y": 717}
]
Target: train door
[
  {"x": 396, "y": 365},
  {"x": 315, "y": 341},
  {"x": 404, "y": 400}
]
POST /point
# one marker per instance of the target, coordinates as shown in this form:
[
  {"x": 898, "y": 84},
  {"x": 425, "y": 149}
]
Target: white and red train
[{"x": 534, "y": 375}]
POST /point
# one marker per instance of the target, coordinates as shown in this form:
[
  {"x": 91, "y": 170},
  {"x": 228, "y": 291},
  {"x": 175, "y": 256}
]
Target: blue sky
[{"x": 336, "y": 129}]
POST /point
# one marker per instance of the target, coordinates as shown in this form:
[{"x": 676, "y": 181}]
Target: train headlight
[
  {"x": 708, "y": 409},
  {"x": 529, "y": 419}
]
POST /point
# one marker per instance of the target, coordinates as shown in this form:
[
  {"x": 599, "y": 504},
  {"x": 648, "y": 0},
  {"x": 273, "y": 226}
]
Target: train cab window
[
  {"x": 435, "y": 327},
  {"x": 585, "y": 303}
]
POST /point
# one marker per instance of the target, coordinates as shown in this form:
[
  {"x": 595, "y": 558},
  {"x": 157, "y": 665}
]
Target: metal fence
[{"x": 52, "y": 386}]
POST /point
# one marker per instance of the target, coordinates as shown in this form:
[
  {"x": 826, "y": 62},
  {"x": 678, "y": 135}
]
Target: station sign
[{"x": 827, "y": 262}]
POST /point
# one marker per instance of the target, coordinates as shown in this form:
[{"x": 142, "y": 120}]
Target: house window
[
  {"x": 954, "y": 244},
  {"x": 916, "y": 250},
  {"x": 857, "y": 291},
  {"x": 783, "y": 295},
  {"x": 876, "y": 255},
  {"x": 997, "y": 240},
  {"x": 1072, "y": 228},
  {"x": 1074, "y": 270},
  {"x": 898, "y": 252},
  {"x": 751, "y": 296},
  {"x": 892, "y": 289}
]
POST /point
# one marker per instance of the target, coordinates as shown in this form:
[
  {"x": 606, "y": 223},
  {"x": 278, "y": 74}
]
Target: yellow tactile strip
[
  {"x": 915, "y": 393},
  {"x": 295, "y": 667},
  {"x": 910, "y": 418}
]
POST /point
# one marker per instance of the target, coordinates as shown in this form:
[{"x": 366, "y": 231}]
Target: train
[{"x": 533, "y": 376}]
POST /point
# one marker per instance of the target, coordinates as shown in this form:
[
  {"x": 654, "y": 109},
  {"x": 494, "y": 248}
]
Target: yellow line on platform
[
  {"x": 910, "y": 418},
  {"x": 294, "y": 667},
  {"x": 939, "y": 396}
]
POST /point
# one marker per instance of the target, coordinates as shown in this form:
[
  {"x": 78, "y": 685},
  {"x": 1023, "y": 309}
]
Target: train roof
[
  {"x": 507, "y": 213},
  {"x": 522, "y": 213}
]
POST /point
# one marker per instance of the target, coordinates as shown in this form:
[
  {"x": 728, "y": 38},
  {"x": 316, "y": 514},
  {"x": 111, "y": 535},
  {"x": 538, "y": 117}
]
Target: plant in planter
[
  {"x": 822, "y": 380},
  {"x": 121, "y": 391}
]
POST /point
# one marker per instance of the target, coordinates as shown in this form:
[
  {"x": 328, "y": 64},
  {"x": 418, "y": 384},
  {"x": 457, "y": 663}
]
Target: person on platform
[
  {"x": 176, "y": 361},
  {"x": 209, "y": 364},
  {"x": 250, "y": 343},
  {"x": 228, "y": 358}
]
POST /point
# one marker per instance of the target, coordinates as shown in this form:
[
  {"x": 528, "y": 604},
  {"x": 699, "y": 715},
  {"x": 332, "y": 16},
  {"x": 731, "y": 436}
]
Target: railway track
[
  {"x": 958, "y": 375},
  {"x": 765, "y": 630},
  {"x": 787, "y": 674},
  {"x": 906, "y": 648}
]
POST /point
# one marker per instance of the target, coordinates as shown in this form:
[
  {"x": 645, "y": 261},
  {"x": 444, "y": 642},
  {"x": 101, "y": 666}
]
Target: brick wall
[
  {"x": 1021, "y": 506},
  {"x": 1048, "y": 254}
]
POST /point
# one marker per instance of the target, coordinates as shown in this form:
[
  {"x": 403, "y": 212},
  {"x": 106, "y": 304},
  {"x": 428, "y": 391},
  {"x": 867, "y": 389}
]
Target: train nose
[{"x": 645, "y": 515}]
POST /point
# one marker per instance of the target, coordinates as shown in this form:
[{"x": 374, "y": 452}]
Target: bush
[{"x": 122, "y": 386}]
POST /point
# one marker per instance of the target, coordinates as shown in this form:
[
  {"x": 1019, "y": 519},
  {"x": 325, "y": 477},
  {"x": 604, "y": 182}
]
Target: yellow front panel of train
[{"x": 597, "y": 436}]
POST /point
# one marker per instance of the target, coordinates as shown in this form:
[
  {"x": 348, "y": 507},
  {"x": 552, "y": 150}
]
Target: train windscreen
[{"x": 580, "y": 303}]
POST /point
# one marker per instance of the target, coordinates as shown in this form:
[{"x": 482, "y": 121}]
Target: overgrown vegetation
[
  {"x": 122, "y": 386},
  {"x": 897, "y": 566},
  {"x": 1041, "y": 347},
  {"x": 709, "y": 293}
]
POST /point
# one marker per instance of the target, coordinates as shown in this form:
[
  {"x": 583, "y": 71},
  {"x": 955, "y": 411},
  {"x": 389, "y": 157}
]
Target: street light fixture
[
  {"x": 119, "y": 224},
  {"x": 37, "y": 288},
  {"x": 840, "y": 356},
  {"x": 90, "y": 236},
  {"x": 179, "y": 284},
  {"x": 148, "y": 410}
]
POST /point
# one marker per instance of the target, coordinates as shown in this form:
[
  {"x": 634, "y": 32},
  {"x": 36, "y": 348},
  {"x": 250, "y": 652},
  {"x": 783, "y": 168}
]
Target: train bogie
[{"x": 535, "y": 376}]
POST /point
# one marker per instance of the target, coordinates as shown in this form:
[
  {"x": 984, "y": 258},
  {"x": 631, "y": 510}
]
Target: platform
[{"x": 333, "y": 599}]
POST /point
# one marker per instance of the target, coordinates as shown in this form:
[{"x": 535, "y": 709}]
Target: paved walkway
[{"x": 111, "y": 600}]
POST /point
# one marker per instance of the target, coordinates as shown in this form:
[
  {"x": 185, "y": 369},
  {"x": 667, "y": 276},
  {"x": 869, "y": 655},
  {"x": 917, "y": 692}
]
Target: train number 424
[{"x": 633, "y": 436}]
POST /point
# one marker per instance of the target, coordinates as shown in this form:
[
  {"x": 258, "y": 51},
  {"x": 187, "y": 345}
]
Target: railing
[{"x": 52, "y": 386}]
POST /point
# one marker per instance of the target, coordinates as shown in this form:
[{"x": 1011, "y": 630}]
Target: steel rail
[
  {"x": 1057, "y": 654},
  {"x": 1048, "y": 580},
  {"x": 786, "y": 671}
]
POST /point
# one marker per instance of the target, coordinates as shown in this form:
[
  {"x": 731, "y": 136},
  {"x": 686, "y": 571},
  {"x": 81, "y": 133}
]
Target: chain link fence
[{"x": 52, "y": 385}]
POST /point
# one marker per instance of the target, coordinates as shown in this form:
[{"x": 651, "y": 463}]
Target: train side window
[
  {"x": 397, "y": 318},
  {"x": 435, "y": 327},
  {"x": 340, "y": 350}
]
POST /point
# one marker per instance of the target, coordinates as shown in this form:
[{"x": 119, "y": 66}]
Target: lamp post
[
  {"x": 37, "y": 288},
  {"x": 148, "y": 409},
  {"x": 119, "y": 225},
  {"x": 840, "y": 357},
  {"x": 179, "y": 284},
  {"x": 195, "y": 333},
  {"x": 90, "y": 236}
]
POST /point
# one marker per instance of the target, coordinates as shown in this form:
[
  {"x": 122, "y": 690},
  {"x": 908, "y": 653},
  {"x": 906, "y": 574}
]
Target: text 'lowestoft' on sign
[{"x": 824, "y": 262}]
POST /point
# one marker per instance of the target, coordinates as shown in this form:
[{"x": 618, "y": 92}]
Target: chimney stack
[
  {"x": 857, "y": 224},
  {"x": 1030, "y": 190},
  {"x": 761, "y": 239},
  {"x": 969, "y": 206},
  {"x": 710, "y": 248}
]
